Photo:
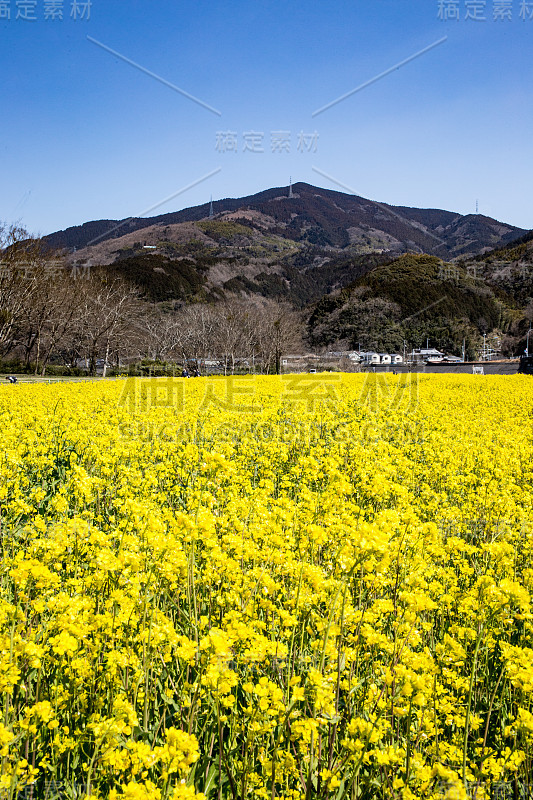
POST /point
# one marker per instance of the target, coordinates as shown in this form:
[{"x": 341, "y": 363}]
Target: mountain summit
[{"x": 323, "y": 218}]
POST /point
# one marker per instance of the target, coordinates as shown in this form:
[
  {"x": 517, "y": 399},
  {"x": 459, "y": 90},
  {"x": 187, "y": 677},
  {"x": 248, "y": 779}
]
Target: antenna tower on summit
[
  {"x": 291, "y": 195},
  {"x": 477, "y": 206},
  {"x": 211, "y": 213}
]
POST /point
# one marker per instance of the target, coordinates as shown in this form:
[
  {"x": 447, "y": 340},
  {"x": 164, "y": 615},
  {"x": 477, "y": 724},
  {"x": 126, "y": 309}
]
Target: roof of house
[{"x": 423, "y": 351}]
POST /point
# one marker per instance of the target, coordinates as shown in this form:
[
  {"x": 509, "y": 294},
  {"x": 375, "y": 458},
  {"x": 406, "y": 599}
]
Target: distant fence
[{"x": 466, "y": 368}]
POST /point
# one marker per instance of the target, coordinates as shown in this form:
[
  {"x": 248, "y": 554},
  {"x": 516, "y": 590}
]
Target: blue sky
[{"x": 85, "y": 135}]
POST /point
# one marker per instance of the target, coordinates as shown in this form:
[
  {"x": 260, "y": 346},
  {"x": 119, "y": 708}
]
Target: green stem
[{"x": 469, "y": 704}]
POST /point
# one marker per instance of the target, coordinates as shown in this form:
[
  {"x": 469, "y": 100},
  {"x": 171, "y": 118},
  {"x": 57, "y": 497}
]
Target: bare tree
[
  {"x": 159, "y": 333},
  {"x": 52, "y": 306},
  {"x": 278, "y": 329},
  {"x": 198, "y": 331},
  {"x": 19, "y": 256},
  {"x": 239, "y": 329},
  {"x": 107, "y": 308},
  {"x": 234, "y": 332}
]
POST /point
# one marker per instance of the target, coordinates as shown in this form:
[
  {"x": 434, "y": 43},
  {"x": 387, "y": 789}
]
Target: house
[
  {"x": 426, "y": 354},
  {"x": 370, "y": 358},
  {"x": 452, "y": 360}
]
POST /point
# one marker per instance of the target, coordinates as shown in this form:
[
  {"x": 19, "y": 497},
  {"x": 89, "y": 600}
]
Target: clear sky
[{"x": 85, "y": 135}]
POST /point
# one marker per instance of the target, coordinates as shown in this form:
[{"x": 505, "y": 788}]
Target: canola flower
[{"x": 294, "y": 588}]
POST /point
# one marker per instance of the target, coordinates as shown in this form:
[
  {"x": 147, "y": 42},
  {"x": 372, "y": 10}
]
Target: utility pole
[{"x": 464, "y": 350}]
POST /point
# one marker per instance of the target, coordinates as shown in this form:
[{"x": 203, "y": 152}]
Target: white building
[
  {"x": 426, "y": 354},
  {"x": 370, "y": 358}
]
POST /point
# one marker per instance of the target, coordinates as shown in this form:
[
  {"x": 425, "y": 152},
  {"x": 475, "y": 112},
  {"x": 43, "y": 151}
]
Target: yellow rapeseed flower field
[{"x": 298, "y": 587}]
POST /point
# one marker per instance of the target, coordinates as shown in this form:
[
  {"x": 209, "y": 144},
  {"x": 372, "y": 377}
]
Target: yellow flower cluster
[{"x": 316, "y": 587}]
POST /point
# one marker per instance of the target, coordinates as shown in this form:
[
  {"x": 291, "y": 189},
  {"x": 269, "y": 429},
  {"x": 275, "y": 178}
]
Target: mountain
[
  {"x": 508, "y": 268},
  {"x": 295, "y": 248},
  {"x": 237, "y": 254},
  {"x": 324, "y": 218},
  {"x": 412, "y": 298},
  {"x": 369, "y": 274}
]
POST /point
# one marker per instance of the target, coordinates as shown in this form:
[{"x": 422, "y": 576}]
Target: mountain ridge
[{"x": 327, "y": 218}]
